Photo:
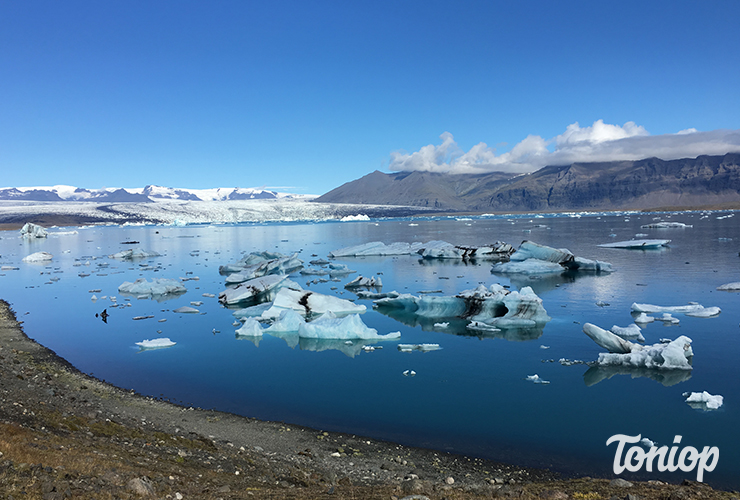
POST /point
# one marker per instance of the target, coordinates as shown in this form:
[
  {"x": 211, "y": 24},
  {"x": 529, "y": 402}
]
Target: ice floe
[
  {"x": 309, "y": 304},
  {"x": 444, "y": 250},
  {"x": 494, "y": 307},
  {"x": 418, "y": 347},
  {"x": 253, "y": 290},
  {"x": 537, "y": 379},
  {"x": 38, "y": 257},
  {"x": 258, "y": 264},
  {"x": 158, "y": 287},
  {"x": 377, "y": 248},
  {"x": 674, "y": 355},
  {"x": 133, "y": 254},
  {"x": 186, "y": 310},
  {"x": 328, "y": 326},
  {"x": 361, "y": 282},
  {"x": 250, "y": 328},
  {"x": 730, "y": 287},
  {"x": 691, "y": 309},
  {"x": 631, "y": 332},
  {"x": 637, "y": 244},
  {"x": 643, "y": 319},
  {"x": 665, "y": 225},
  {"x": 156, "y": 343},
  {"x": 703, "y": 400},
  {"x": 31, "y": 230},
  {"x": 533, "y": 258}
]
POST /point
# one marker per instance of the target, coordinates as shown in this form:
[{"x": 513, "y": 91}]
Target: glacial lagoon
[{"x": 475, "y": 395}]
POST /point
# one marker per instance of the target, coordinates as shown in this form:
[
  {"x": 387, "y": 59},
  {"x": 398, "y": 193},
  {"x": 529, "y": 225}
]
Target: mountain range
[
  {"x": 147, "y": 194},
  {"x": 642, "y": 184}
]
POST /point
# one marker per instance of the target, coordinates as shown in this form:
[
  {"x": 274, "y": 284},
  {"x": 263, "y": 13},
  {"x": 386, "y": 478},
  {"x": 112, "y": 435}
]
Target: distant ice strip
[
  {"x": 692, "y": 309},
  {"x": 637, "y": 244}
]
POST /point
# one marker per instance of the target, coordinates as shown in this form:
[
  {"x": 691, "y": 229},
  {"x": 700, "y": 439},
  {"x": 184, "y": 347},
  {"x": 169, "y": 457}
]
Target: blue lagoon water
[{"x": 471, "y": 396}]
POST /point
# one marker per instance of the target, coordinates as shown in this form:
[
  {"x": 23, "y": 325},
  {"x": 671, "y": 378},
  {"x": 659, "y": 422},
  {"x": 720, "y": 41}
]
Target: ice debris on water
[
  {"x": 647, "y": 443},
  {"x": 692, "y": 309},
  {"x": 156, "y": 287},
  {"x": 668, "y": 318},
  {"x": 643, "y": 318},
  {"x": 355, "y": 218},
  {"x": 258, "y": 264},
  {"x": 133, "y": 254},
  {"x": 631, "y": 332},
  {"x": 309, "y": 304},
  {"x": 675, "y": 355},
  {"x": 665, "y": 225},
  {"x": 418, "y": 347},
  {"x": 252, "y": 290},
  {"x": 31, "y": 230},
  {"x": 636, "y": 244},
  {"x": 186, "y": 310},
  {"x": 409, "y": 373},
  {"x": 730, "y": 287},
  {"x": 533, "y": 258},
  {"x": 328, "y": 326},
  {"x": 703, "y": 400},
  {"x": 442, "y": 325},
  {"x": 362, "y": 282},
  {"x": 536, "y": 379},
  {"x": 38, "y": 257},
  {"x": 444, "y": 250},
  {"x": 156, "y": 343}
]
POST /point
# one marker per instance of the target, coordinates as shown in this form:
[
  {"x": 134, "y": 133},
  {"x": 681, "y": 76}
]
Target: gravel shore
[{"x": 64, "y": 434}]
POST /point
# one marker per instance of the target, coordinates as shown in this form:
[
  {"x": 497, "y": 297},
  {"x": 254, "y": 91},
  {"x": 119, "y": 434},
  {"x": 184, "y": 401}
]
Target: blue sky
[{"x": 308, "y": 95}]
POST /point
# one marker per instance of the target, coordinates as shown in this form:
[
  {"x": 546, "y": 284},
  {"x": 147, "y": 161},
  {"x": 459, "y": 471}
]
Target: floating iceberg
[
  {"x": 631, "y": 332},
  {"x": 674, "y": 355},
  {"x": 339, "y": 270},
  {"x": 31, "y": 230},
  {"x": 533, "y": 258},
  {"x": 186, "y": 310},
  {"x": 364, "y": 294},
  {"x": 495, "y": 306},
  {"x": 352, "y": 218},
  {"x": 361, "y": 282},
  {"x": 665, "y": 225},
  {"x": 329, "y": 326},
  {"x": 418, "y": 347},
  {"x": 643, "y": 318},
  {"x": 158, "y": 287},
  {"x": 38, "y": 257},
  {"x": 252, "y": 290},
  {"x": 730, "y": 287},
  {"x": 250, "y": 328},
  {"x": 133, "y": 254},
  {"x": 377, "y": 248},
  {"x": 258, "y": 264},
  {"x": 288, "y": 321},
  {"x": 703, "y": 400},
  {"x": 637, "y": 244},
  {"x": 692, "y": 309},
  {"x": 155, "y": 343},
  {"x": 252, "y": 311},
  {"x": 444, "y": 250},
  {"x": 537, "y": 379},
  {"x": 309, "y": 304}
]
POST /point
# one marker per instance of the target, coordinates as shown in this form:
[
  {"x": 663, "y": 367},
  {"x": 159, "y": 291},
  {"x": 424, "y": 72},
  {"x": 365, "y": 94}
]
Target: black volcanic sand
[{"x": 64, "y": 434}]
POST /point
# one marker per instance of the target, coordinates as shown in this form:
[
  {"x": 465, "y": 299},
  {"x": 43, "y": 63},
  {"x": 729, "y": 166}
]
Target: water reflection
[{"x": 596, "y": 374}]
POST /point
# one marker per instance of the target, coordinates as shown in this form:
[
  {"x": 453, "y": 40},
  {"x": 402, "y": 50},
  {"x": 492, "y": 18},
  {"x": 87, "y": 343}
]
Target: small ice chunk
[
  {"x": 607, "y": 340},
  {"x": 361, "y": 281},
  {"x": 418, "y": 347},
  {"x": 666, "y": 225},
  {"x": 442, "y": 325},
  {"x": 692, "y": 309},
  {"x": 730, "y": 287},
  {"x": 196, "y": 303},
  {"x": 252, "y": 289},
  {"x": 668, "y": 318},
  {"x": 250, "y": 328},
  {"x": 647, "y": 443},
  {"x": 631, "y": 332},
  {"x": 644, "y": 319},
  {"x": 544, "y": 346},
  {"x": 186, "y": 310},
  {"x": 38, "y": 257},
  {"x": 157, "y": 287},
  {"x": 155, "y": 343},
  {"x": 31, "y": 230},
  {"x": 133, "y": 254},
  {"x": 601, "y": 303},
  {"x": 703, "y": 400},
  {"x": 409, "y": 373},
  {"x": 637, "y": 244},
  {"x": 536, "y": 379}
]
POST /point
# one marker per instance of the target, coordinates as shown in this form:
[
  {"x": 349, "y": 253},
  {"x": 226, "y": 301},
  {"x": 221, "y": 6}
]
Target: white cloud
[{"x": 599, "y": 142}]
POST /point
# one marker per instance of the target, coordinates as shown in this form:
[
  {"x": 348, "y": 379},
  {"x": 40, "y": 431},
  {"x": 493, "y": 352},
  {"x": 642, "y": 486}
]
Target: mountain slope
[{"x": 648, "y": 183}]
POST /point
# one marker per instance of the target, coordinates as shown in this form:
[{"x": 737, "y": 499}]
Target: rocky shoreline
[{"x": 64, "y": 434}]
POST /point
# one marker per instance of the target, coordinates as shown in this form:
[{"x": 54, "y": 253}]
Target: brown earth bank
[{"x": 64, "y": 434}]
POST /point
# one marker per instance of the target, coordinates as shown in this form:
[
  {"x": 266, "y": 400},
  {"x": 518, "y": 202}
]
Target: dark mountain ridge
[{"x": 642, "y": 184}]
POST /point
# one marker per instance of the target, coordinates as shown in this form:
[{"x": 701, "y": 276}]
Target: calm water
[{"x": 469, "y": 397}]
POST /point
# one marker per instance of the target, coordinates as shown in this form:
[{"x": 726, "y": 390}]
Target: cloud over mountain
[{"x": 596, "y": 143}]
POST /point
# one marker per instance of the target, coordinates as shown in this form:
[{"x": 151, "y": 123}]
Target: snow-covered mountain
[{"x": 146, "y": 194}]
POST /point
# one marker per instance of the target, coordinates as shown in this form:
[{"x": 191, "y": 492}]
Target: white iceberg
[
  {"x": 31, "y": 230},
  {"x": 132, "y": 254},
  {"x": 445, "y": 250},
  {"x": 692, "y": 309},
  {"x": 643, "y": 318},
  {"x": 631, "y": 332},
  {"x": 38, "y": 257},
  {"x": 250, "y": 328},
  {"x": 349, "y": 327},
  {"x": 665, "y": 225},
  {"x": 156, "y": 343},
  {"x": 674, "y": 355},
  {"x": 352, "y": 218},
  {"x": 258, "y": 264},
  {"x": 252, "y": 290},
  {"x": 537, "y": 379},
  {"x": 156, "y": 287},
  {"x": 186, "y": 310},
  {"x": 361, "y": 282},
  {"x": 418, "y": 347},
  {"x": 495, "y": 306},
  {"x": 288, "y": 321},
  {"x": 309, "y": 304},
  {"x": 377, "y": 248},
  {"x": 730, "y": 287},
  {"x": 703, "y": 400},
  {"x": 637, "y": 244},
  {"x": 533, "y": 258},
  {"x": 668, "y": 318}
]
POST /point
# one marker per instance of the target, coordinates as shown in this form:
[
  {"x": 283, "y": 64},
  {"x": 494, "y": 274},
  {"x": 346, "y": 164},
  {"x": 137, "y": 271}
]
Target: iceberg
[
  {"x": 364, "y": 294},
  {"x": 252, "y": 290},
  {"x": 258, "y": 264},
  {"x": 418, "y": 347},
  {"x": 250, "y": 328},
  {"x": 692, "y": 309},
  {"x": 533, "y": 258},
  {"x": 674, "y": 355},
  {"x": 377, "y": 248},
  {"x": 703, "y": 400},
  {"x": 339, "y": 270},
  {"x": 186, "y": 310},
  {"x": 730, "y": 287},
  {"x": 631, "y": 332},
  {"x": 349, "y": 327},
  {"x": 637, "y": 244},
  {"x": 495, "y": 306},
  {"x": 537, "y": 379},
  {"x": 665, "y": 225},
  {"x": 158, "y": 287},
  {"x": 361, "y": 282},
  {"x": 643, "y": 318},
  {"x": 309, "y": 304},
  {"x": 155, "y": 343},
  {"x": 38, "y": 257},
  {"x": 31, "y": 230},
  {"x": 133, "y": 254},
  {"x": 443, "y": 250}
]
